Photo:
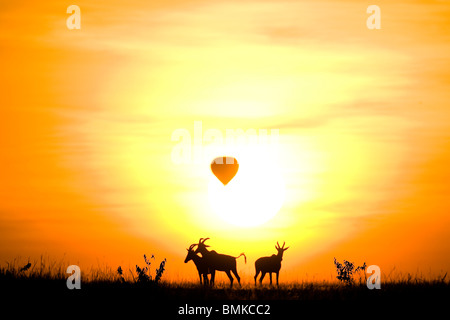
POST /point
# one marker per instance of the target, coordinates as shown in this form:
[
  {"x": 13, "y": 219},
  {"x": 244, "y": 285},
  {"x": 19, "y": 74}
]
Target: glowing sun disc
[{"x": 253, "y": 197}]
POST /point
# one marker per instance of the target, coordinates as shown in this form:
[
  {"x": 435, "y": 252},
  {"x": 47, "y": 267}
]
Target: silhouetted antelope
[
  {"x": 219, "y": 262},
  {"x": 200, "y": 263},
  {"x": 270, "y": 264}
]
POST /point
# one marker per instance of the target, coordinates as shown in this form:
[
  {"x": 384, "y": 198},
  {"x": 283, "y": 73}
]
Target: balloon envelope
[{"x": 224, "y": 168}]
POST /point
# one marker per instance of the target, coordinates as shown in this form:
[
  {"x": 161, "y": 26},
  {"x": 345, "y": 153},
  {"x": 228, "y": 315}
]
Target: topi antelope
[
  {"x": 270, "y": 264},
  {"x": 199, "y": 262},
  {"x": 219, "y": 262}
]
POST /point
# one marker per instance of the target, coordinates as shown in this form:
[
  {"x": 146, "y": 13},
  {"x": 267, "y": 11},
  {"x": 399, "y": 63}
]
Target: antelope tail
[{"x": 242, "y": 254}]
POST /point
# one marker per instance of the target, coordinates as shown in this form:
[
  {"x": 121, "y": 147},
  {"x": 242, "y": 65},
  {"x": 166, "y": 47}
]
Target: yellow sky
[{"x": 87, "y": 118}]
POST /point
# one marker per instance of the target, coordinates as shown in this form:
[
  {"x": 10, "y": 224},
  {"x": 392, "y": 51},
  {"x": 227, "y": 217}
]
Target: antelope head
[
  {"x": 201, "y": 246},
  {"x": 281, "y": 249},
  {"x": 190, "y": 253}
]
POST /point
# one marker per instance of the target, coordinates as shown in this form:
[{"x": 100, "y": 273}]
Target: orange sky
[{"x": 87, "y": 118}]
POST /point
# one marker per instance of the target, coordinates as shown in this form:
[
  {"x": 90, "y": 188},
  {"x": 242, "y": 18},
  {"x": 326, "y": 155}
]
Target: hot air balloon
[{"x": 224, "y": 168}]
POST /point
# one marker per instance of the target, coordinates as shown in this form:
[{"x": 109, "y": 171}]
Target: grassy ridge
[
  {"x": 40, "y": 287},
  {"x": 50, "y": 278}
]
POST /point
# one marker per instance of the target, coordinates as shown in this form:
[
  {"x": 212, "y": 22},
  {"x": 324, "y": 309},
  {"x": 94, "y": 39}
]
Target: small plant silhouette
[
  {"x": 347, "y": 270},
  {"x": 120, "y": 273},
  {"x": 160, "y": 270},
  {"x": 143, "y": 274}
]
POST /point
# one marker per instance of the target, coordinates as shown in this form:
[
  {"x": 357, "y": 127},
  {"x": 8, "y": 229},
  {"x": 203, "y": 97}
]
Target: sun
[{"x": 253, "y": 196}]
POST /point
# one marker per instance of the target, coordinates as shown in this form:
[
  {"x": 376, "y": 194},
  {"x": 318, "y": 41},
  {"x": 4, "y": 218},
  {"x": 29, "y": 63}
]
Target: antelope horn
[
  {"x": 278, "y": 244},
  {"x": 284, "y": 244},
  {"x": 204, "y": 240}
]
